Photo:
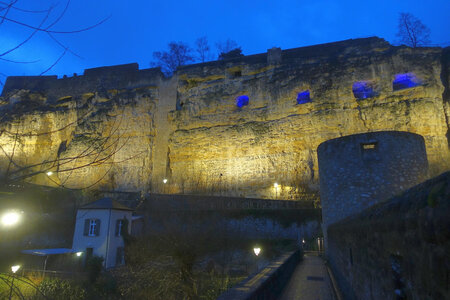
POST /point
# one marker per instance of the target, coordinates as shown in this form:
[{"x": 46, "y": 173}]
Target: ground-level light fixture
[
  {"x": 79, "y": 254},
  {"x": 15, "y": 268},
  {"x": 164, "y": 180},
  {"x": 256, "y": 250},
  {"x": 10, "y": 218},
  {"x": 275, "y": 185}
]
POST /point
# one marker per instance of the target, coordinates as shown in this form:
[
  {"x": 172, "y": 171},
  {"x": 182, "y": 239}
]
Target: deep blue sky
[{"x": 137, "y": 28}]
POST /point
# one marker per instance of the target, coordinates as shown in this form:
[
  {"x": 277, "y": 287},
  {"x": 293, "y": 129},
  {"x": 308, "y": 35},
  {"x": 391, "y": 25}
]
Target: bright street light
[
  {"x": 10, "y": 218},
  {"x": 275, "y": 185},
  {"x": 49, "y": 173},
  {"x": 164, "y": 180},
  {"x": 79, "y": 254},
  {"x": 257, "y": 250},
  {"x": 15, "y": 268}
]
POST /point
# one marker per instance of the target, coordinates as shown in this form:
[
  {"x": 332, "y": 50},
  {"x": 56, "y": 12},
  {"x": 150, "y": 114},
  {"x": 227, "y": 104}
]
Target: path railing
[{"x": 268, "y": 283}]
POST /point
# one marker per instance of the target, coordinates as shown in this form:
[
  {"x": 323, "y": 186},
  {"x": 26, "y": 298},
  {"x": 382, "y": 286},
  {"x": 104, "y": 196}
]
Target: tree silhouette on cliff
[
  {"x": 412, "y": 32},
  {"x": 178, "y": 54}
]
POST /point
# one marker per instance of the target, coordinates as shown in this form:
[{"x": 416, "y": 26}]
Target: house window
[
  {"x": 91, "y": 227},
  {"x": 303, "y": 97},
  {"x": 119, "y": 227},
  {"x": 242, "y": 101}
]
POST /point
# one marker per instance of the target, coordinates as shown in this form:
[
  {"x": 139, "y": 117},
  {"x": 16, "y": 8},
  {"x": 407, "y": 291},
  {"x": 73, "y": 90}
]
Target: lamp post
[
  {"x": 257, "y": 250},
  {"x": 164, "y": 182},
  {"x": 14, "y": 270}
]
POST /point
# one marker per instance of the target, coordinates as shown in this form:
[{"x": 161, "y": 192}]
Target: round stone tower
[{"x": 360, "y": 170}]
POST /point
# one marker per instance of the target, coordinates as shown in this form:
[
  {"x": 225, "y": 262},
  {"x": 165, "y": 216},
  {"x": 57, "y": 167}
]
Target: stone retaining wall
[{"x": 397, "y": 249}]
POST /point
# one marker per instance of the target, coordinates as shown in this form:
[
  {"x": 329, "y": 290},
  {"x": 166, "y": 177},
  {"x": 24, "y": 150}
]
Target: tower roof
[{"x": 105, "y": 203}]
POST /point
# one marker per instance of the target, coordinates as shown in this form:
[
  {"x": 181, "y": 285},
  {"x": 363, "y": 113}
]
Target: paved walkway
[{"x": 310, "y": 281}]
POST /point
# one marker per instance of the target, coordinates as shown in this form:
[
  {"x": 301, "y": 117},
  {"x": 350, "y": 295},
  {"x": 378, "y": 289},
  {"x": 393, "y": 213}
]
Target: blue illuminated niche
[
  {"x": 405, "y": 81},
  {"x": 363, "y": 90},
  {"x": 242, "y": 100},
  {"x": 303, "y": 97}
]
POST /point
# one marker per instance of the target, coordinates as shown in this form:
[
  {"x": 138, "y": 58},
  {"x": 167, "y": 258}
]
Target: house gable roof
[{"x": 105, "y": 203}]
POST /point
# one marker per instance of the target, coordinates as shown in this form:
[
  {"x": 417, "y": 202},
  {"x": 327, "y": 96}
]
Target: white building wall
[
  {"x": 116, "y": 241},
  {"x": 106, "y": 243}
]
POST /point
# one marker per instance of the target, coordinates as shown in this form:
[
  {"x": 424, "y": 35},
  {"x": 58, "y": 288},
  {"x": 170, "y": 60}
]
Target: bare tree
[
  {"x": 228, "y": 49},
  {"x": 179, "y": 54},
  {"x": 13, "y": 14},
  {"x": 411, "y": 31},
  {"x": 202, "y": 48},
  {"x": 226, "y": 46}
]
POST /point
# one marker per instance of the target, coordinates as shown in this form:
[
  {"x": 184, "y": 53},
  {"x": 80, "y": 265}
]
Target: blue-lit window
[
  {"x": 363, "y": 90},
  {"x": 405, "y": 81},
  {"x": 303, "y": 97},
  {"x": 242, "y": 101}
]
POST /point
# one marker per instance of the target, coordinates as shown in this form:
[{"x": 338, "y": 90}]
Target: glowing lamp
[
  {"x": 79, "y": 254},
  {"x": 256, "y": 251},
  {"x": 164, "y": 180},
  {"x": 10, "y": 218},
  {"x": 15, "y": 268},
  {"x": 275, "y": 185},
  {"x": 49, "y": 173}
]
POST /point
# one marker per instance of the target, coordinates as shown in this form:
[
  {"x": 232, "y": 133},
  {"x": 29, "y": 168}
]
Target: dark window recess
[
  {"x": 405, "y": 81},
  {"x": 369, "y": 151},
  {"x": 303, "y": 97},
  {"x": 242, "y": 101},
  {"x": 369, "y": 146},
  {"x": 238, "y": 73},
  {"x": 363, "y": 90},
  {"x": 397, "y": 272}
]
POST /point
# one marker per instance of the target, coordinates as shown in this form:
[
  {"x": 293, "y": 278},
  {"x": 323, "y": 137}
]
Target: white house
[{"x": 99, "y": 230}]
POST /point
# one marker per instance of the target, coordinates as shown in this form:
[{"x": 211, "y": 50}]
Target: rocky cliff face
[
  {"x": 208, "y": 144},
  {"x": 86, "y": 136}
]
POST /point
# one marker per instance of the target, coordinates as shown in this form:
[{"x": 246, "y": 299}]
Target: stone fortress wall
[
  {"x": 190, "y": 130},
  {"x": 361, "y": 170}
]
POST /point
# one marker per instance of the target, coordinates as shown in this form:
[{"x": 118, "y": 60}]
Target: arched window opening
[
  {"x": 303, "y": 97},
  {"x": 363, "y": 90},
  {"x": 405, "y": 81},
  {"x": 242, "y": 101}
]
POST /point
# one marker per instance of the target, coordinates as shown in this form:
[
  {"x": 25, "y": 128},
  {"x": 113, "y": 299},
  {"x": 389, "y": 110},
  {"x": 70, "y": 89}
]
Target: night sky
[{"x": 137, "y": 28}]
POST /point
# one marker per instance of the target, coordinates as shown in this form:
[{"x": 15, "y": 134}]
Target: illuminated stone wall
[{"x": 189, "y": 129}]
